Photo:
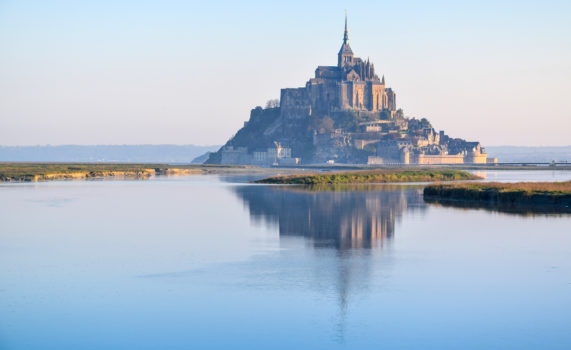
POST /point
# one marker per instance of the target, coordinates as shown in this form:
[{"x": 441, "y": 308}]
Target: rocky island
[{"x": 344, "y": 114}]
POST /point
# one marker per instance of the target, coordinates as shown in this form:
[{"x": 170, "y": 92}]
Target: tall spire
[
  {"x": 346, "y": 35},
  {"x": 345, "y": 55}
]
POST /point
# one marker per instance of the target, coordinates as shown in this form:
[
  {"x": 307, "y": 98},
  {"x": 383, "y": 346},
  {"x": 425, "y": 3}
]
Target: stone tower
[{"x": 345, "y": 56}]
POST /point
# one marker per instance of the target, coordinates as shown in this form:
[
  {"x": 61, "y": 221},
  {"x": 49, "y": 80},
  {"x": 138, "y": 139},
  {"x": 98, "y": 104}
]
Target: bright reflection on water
[{"x": 209, "y": 263}]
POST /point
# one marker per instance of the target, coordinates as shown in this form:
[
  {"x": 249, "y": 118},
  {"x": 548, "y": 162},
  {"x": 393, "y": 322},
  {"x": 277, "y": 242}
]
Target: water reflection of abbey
[
  {"x": 363, "y": 218},
  {"x": 345, "y": 220}
]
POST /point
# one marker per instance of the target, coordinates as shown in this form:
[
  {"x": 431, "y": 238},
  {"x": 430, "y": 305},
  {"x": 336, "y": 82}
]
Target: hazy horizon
[
  {"x": 144, "y": 73},
  {"x": 192, "y": 153}
]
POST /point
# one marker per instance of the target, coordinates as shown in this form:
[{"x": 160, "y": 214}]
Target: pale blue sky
[{"x": 132, "y": 72}]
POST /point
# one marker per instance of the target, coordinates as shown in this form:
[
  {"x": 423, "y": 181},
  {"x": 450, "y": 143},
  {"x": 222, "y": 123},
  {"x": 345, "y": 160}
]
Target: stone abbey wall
[
  {"x": 438, "y": 159},
  {"x": 294, "y": 103}
]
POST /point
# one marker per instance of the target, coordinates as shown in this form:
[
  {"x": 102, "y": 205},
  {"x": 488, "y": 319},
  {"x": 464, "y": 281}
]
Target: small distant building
[
  {"x": 277, "y": 155},
  {"x": 372, "y": 160},
  {"x": 289, "y": 161},
  {"x": 476, "y": 155},
  {"x": 238, "y": 155}
]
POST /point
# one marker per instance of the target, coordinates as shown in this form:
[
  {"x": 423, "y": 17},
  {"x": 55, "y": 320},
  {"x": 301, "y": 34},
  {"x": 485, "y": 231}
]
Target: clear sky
[{"x": 155, "y": 72}]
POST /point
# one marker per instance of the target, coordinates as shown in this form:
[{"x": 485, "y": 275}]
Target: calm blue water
[{"x": 210, "y": 262}]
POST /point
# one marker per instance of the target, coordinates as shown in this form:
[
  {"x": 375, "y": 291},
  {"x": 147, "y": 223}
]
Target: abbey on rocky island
[{"x": 345, "y": 114}]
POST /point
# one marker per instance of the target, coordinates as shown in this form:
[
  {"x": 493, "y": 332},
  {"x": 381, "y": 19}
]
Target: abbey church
[{"x": 351, "y": 84}]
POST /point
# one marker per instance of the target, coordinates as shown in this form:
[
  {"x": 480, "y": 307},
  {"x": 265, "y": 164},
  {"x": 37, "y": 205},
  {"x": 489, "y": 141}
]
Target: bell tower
[{"x": 345, "y": 56}]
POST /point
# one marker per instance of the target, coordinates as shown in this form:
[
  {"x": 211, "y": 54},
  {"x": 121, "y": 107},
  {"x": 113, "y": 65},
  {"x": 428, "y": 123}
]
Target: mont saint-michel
[{"x": 345, "y": 114}]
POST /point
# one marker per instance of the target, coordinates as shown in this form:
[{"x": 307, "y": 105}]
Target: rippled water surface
[{"x": 210, "y": 262}]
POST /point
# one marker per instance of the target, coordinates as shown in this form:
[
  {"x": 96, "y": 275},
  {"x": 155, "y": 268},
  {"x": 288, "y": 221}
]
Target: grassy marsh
[
  {"x": 519, "y": 194},
  {"x": 372, "y": 176}
]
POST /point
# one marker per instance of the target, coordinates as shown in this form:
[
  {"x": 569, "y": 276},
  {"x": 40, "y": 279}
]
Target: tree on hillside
[
  {"x": 274, "y": 103},
  {"x": 322, "y": 125}
]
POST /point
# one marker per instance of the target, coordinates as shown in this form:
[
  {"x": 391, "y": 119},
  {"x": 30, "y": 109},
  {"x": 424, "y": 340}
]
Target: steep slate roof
[{"x": 345, "y": 48}]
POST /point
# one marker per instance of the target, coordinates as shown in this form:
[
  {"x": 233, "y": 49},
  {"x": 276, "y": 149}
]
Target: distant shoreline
[
  {"x": 48, "y": 171},
  {"x": 38, "y": 172}
]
